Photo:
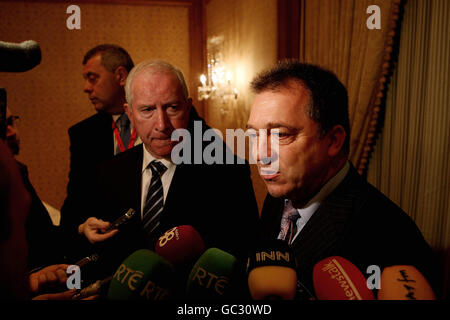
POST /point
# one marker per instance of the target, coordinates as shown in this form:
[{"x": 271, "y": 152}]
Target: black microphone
[
  {"x": 86, "y": 260},
  {"x": 121, "y": 220},
  {"x": 19, "y": 57},
  {"x": 99, "y": 287}
]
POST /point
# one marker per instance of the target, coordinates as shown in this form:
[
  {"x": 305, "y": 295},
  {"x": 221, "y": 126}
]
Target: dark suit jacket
[
  {"x": 40, "y": 231},
  {"x": 217, "y": 200},
  {"x": 358, "y": 223},
  {"x": 91, "y": 143}
]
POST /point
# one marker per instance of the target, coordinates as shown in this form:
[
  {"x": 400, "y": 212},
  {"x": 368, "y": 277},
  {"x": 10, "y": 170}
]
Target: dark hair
[
  {"x": 328, "y": 97},
  {"x": 112, "y": 57}
]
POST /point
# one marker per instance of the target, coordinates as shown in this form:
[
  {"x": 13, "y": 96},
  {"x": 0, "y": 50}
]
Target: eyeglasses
[{"x": 13, "y": 121}]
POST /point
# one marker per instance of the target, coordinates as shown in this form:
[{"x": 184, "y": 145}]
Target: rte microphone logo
[{"x": 209, "y": 280}]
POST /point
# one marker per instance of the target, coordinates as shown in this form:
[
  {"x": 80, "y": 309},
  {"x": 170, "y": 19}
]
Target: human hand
[
  {"x": 66, "y": 295},
  {"x": 93, "y": 229},
  {"x": 48, "y": 278},
  {"x": 53, "y": 276}
]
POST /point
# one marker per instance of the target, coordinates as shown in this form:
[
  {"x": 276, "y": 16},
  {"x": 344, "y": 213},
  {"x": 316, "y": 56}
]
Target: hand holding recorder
[{"x": 97, "y": 230}]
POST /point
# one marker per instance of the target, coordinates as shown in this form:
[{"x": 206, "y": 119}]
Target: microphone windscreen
[
  {"x": 144, "y": 275},
  {"x": 19, "y": 57},
  {"x": 271, "y": 269},
  {"x": 336, "y": 278},
  {"x": 404, "y": 283},
  {"x": 212, "y": 276},
  {"x": 180, "y": 245}
]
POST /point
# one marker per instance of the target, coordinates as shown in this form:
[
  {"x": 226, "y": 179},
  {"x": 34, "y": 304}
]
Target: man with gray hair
[{"x": 216, "y": 199}]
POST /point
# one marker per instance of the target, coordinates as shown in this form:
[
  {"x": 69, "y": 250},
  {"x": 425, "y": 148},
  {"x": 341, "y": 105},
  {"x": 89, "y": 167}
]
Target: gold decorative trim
[{"x": 384, "y": 72}]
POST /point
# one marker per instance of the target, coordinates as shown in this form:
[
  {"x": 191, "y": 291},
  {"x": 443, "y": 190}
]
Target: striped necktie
[{"x": 154, "y": 201}]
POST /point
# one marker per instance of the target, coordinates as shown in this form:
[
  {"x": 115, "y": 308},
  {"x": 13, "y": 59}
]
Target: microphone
[
  {"x": 336, "y": 278},
  {"x": 80, "y": 263},
  {"x": 404, "y": 283},
  {"x": 86, "y": 260},
  {"x": 144, "y": 275},
  {"x": 121, "y": 220},
  {"x": 19, "y": 57},
  {"x": 63, "y": 287},
  {"x": 115, "y": 225},
  {"x": 96, "y": 288},
  {"x": 180, "y": 245},
  {"x": 212, "y": 275},
  {"x": 271, "y": 272}
]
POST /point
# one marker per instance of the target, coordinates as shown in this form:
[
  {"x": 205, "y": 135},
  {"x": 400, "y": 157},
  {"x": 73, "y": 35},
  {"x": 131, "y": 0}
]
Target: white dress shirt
[{"x": 166, "y": 178}]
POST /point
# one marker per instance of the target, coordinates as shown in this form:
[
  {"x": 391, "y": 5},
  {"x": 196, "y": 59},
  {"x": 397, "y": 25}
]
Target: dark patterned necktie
[
  {"x": 289, "y": 222},
  {"x": 123, "y": 123},
  {"x": 154, "y": 201}
]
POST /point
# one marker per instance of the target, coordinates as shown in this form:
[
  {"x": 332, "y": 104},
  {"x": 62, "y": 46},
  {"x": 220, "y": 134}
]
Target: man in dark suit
[
  {"x": 101, "y": 136},
  {"x": 317, "y": 201},
  {"x": 216, "y": 199}
]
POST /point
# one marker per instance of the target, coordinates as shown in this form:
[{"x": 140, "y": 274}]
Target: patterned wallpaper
[{"x": 49, "y": 98}]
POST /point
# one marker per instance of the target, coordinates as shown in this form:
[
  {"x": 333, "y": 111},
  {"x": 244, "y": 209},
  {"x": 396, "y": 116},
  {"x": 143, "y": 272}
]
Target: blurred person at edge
[
  {"x": 42, "y": 235},
  {"x": 16, "y": 280}
]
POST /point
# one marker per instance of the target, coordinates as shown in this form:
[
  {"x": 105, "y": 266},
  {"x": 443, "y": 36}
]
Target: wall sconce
[{"x": 218, "y": 82}]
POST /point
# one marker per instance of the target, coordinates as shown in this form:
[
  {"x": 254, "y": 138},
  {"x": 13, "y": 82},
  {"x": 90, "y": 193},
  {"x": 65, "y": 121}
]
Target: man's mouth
[
  {"x": 162, "y": 138},
  {"x": 268, "y": 173}
]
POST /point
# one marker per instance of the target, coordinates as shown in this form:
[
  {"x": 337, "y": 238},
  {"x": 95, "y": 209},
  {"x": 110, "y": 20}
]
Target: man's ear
[
  {"x": 121, "y": 75},
  {"x": 336, "y": 137}
]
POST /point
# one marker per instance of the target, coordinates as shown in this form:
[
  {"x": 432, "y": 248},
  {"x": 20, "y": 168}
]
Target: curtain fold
[
  {"x": 334, "y": 35},
  {"x": 410, "y": 163}
]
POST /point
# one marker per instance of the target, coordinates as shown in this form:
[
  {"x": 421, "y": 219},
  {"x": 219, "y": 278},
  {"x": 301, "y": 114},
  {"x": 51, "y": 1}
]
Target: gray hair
[{"x": 151, "y": 67}]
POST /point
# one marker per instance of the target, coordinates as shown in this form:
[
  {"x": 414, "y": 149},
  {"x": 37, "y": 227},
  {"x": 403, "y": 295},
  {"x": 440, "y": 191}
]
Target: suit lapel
[
  {"x": 105, "y": 135},
  {"x": 128, "y": 180},
  {"x": 177, "y": 196},
  {"x": 137, "y": 177},
  {"x": 271, "y": 217},
  {"x": 323, "y": 234}
]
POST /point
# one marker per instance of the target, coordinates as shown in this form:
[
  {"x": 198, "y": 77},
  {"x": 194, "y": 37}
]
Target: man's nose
[
  {"x": 260, "y": 148},
  {"x": 10, "y": 131},
  {"x": 162, "y": 121},
  {"x": 87, "y": 88},
  {"x": 264, "y": 152}
]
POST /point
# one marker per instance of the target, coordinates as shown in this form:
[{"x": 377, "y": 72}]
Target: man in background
[
  {"x": 101, "y": 136},
  {"x": 317, "y": 201}
]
